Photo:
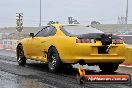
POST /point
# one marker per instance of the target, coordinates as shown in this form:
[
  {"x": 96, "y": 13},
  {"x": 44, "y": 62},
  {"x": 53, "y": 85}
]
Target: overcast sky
[{"x": 105, "y": 11}]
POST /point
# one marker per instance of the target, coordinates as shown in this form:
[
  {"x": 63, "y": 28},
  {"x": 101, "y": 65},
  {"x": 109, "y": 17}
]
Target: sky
[{"x": 85, "y": 11}]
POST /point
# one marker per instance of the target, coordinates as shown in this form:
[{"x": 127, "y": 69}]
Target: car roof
[{"x": 66, "y": 25}]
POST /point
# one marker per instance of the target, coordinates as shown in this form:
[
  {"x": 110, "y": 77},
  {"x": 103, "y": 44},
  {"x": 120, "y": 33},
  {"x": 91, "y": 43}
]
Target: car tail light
[
  {"x": 85, "y": 41},
  {"x": 117, "y": 41}
]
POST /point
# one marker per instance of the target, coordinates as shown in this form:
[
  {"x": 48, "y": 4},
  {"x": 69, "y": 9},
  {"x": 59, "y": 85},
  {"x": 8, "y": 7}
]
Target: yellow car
[{"x": 60, "y": 45}]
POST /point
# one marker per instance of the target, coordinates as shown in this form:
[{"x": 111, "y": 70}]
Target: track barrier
[
  {"x": 128, "y": 55},
  {"x": 1, "y": 46},
  {"x": 9, "y": 44}
]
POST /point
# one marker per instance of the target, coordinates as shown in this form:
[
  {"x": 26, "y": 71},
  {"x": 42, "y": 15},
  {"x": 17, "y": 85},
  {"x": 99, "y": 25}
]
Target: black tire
[
  {"x": 54, "y": 62},
  {"x": 108, "y": 68},
  {"x": 20, "y": 56}
]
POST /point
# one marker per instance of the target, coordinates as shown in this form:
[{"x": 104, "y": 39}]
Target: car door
[
  {"x": 39, "y": 41},
  {"x": 27, "y": 48},
  {"x": 36, "y": 43}
]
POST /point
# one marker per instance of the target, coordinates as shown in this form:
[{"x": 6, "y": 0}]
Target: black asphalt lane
[{"x": 36, "y": 75}]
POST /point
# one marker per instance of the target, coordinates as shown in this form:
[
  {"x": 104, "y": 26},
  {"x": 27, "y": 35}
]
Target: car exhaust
[
  {"x": 109, "y": 47},
  {"x": 81, "y": 62}
]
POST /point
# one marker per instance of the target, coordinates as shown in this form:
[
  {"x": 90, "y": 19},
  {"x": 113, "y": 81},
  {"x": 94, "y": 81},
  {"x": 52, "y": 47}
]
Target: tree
[
  {"x": 53, "y": 22},
  {"x": 95, "y": 22}
]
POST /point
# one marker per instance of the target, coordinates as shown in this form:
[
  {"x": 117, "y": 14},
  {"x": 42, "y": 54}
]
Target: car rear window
[{"x": 75, "y": 30}]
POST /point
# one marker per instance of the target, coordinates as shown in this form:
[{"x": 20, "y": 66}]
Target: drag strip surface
[
  {"x": 36, "y": 75},
  {"x": 8, "y": 53}
]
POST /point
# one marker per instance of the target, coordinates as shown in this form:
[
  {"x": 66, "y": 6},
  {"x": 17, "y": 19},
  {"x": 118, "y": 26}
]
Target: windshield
[{"x": 79, "y": 30}]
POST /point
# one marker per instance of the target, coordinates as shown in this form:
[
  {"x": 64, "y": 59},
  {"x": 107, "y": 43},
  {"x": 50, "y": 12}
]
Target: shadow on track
[{"x": 66, "y": 71}]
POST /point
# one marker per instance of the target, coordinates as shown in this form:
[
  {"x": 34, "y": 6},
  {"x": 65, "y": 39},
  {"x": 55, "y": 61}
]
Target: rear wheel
[
  {"x": 54, "y": 62},
  {"x": 20, "y": 56},
  {"x": 108, "y": 68}
]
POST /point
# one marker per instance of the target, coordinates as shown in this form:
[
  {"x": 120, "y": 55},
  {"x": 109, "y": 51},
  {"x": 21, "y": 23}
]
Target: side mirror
[{"x": 32, "y": 35}]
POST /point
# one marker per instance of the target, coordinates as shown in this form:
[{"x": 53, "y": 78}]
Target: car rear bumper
[{"x": 95, "y": 59}]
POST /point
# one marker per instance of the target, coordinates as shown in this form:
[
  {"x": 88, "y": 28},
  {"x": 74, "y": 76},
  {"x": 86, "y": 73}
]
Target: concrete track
[{"x": 36, "y": 75}]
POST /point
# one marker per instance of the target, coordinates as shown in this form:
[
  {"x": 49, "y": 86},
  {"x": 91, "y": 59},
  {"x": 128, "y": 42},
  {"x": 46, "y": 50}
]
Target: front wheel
[
  {"x": 20, "y": 56},
  {"x": 54, "y": 62},
  {"x": 108, "y": 68}
]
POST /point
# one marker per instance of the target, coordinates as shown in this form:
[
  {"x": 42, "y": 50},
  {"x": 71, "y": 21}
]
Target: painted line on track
[
  {"x": 130, "y": 66},
  {"x": 7, "y": 49}
]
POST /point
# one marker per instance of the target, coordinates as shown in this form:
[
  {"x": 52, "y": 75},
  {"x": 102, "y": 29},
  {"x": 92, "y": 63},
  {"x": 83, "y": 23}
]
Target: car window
[
  {"x": 76, "y": 30},
  {"x": 48, "y": 31}
]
